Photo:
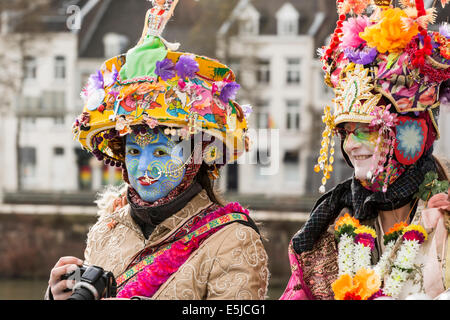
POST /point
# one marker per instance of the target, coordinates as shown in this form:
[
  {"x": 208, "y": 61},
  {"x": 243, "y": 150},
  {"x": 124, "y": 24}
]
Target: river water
[
  {"x": 22, "y": 289},
  {"x": 18, "y": 289}
]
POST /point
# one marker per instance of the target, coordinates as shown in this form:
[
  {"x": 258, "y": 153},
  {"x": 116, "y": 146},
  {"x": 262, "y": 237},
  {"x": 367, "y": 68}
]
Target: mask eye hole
[
  {"x": 160, "y": 153},
  {"x": 133, "y": 152}
]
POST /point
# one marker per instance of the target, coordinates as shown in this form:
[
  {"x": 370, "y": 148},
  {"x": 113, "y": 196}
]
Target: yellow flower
[
  {"x": 390, "y": 33},
  {"x": 346, "y": 219},
  {"x": 366, "y": 229}
]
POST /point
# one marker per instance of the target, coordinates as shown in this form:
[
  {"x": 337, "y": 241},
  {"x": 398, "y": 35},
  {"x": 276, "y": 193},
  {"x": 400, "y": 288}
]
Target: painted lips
[{"x": 145, "y": 181}]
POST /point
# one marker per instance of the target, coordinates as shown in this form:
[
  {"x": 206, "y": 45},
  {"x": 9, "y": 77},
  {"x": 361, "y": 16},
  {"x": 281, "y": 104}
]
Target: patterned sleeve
[
  {"x": 239, "y": 271},
  {"x": 294, "y": 289}
]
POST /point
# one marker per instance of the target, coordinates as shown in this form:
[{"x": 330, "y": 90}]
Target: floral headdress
[
  {"x": 386, "y": 69},
  {"x": 187, "y": 94}
]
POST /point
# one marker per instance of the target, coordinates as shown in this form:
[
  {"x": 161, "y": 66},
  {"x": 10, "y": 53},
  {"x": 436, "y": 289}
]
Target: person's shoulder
[{"x": 110, "y": 199}]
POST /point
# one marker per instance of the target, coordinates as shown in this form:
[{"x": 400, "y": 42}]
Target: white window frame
[
  {"x": 262, "y": 114},
  {"x": 30, "y": 68},
  {"x": 60, "y": 70},
  {"x": 293, "y": 115},
  {"x": 293, "y": 71},
  {"x": 263, "y": 71}
]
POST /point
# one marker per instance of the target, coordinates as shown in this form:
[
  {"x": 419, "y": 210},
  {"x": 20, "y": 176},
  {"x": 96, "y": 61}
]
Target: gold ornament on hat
[
  {"x": 325, "y": 162},
  {"x": 383, "y": 3},
  {"x": 355, "y": 99}
]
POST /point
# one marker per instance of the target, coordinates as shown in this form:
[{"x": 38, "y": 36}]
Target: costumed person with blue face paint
[
  {"x": 383, "y": 233},
  {"x": 166, "y": 234}
]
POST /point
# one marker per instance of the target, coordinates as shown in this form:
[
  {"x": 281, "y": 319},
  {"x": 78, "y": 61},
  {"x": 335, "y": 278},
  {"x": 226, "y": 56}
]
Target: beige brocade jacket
[{"x": 231, "y": 264}]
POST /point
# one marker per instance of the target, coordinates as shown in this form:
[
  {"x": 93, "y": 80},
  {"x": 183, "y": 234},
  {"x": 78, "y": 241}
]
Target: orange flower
[
  {"x": 346, "y": 219},
  {"x": 343, "y": 285},
  {"x": 397, "y": 227},
  {"x": 367, "y": 282},
  {"x": 364, "y": 284},
  {"x": 390, "y": 33}
]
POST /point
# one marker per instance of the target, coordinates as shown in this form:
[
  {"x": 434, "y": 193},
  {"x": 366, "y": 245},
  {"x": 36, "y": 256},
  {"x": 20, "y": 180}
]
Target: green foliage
[
  {"x": 345, "y": 229},
  {"x": 431, "y": 186}
]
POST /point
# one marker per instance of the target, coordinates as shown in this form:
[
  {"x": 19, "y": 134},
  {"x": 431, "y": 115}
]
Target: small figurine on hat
[{"x": 152, "y": 47}]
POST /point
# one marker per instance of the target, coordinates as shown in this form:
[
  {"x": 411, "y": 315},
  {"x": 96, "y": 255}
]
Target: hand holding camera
[{"x": 81, "y": 282}]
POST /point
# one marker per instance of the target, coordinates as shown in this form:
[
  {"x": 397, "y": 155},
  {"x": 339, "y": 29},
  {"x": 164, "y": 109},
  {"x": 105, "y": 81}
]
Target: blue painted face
[{"x": 152, "y": 162}]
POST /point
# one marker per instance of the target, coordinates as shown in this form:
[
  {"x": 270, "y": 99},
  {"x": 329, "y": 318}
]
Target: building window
[
  {"x": 293, "y": 71},
  {"x": 262, "y": 114},
  {"x": 291, "y": 165},
  {"x": 262, "y": 161},
  {"x": 30, "y": 67},
  {"x": 58, "y": 151},
  {"x": 293, "y": 115},
  {"x": 263, "y": 71},
  {"x": 114, "y": 44},
  {"x": 60, "y": 67},
  {"x": 287, "y": 20},
  {"x": 27, "y": 165},
  {"x": 54, "y": 100},
  {"x": 84, "y": 169},
  {"x": 288, "y": 28}
]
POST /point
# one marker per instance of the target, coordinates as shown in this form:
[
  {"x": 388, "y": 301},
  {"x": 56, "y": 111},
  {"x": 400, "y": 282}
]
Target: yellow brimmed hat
[{"x": 189, "y": 94}]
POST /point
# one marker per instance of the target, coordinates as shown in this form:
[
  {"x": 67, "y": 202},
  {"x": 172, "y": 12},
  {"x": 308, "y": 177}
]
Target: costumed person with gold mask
[
  {"x": 384, "y": 233},
  {"x": 165, "y": 234}
]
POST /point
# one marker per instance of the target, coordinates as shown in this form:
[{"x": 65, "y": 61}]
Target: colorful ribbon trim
[{"x": 225, "y": 219}]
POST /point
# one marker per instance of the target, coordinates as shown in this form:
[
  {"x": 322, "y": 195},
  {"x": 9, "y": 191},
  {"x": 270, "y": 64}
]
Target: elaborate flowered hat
[
  {"x": 386, "y": 69},
  {"x": 185, "y": 93}
]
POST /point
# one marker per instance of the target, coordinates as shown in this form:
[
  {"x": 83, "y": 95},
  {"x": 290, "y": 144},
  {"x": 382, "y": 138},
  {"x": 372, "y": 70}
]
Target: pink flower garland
[
  {"x": 150, "y": 279},
  {"x": 386, "y": 122}
]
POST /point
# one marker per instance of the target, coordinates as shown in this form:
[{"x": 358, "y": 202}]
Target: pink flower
[
  {"x": 414, "y": 235},
  {"x": 366, "y": 239},
  {"x": 351, "y": 29}
]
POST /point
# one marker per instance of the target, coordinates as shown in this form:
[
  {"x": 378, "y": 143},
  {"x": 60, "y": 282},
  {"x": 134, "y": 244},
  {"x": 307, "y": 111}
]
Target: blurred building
[
  {"x": 269, "y": 44},
  {"x": 272, "y": 45},
  {"x": 49, "y": 48}
]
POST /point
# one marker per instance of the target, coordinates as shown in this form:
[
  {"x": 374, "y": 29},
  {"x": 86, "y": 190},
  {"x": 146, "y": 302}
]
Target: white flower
[
  {"x": 407, "y": 254},
  {"x": 394, "y": 282},
  {"x": 382, "y": 265},
  {"x": 362, "y": 257},
  {"x": 345, "y": 257}
]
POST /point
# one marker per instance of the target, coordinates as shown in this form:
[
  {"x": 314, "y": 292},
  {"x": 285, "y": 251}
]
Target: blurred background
[{"x": 49, "y": 48}]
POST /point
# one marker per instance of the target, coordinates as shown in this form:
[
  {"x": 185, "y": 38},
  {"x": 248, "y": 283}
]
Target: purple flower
[
  {"x": 165, "y": 69},
  {"x": 247, "y": 109},
  {"x": 187, "y": 67},
  {"x": 95, "y": 81},
  {"x": 443, "y": 30},
  {"x": 361, "y": 56},
  {"x": 111, "y": 77},
  {"x": 229, "y": 92}
]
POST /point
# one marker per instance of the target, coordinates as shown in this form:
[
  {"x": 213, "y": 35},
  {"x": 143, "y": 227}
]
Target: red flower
[
  {"x": 352, "y": 296},
  {"x": 414, "y": 235}
]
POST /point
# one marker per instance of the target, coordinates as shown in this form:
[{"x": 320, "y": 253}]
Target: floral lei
[
  {"x": 149, "y": 280},
  {"x": 358, "y": 280}
]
